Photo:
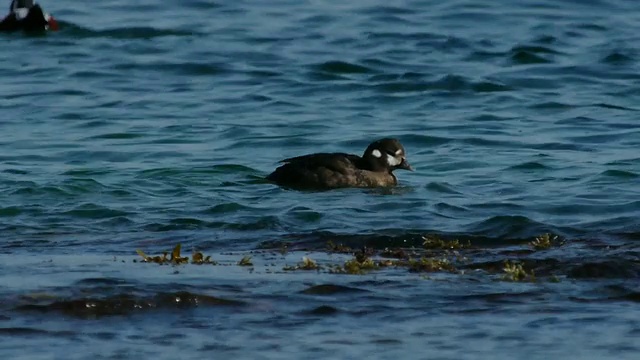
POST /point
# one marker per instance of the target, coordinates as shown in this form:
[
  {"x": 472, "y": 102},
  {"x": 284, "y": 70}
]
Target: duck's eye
[{"x": 390, "y": 152}]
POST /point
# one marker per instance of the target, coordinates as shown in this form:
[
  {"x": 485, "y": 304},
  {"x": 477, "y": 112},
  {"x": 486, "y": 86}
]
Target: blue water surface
[{"x": 145, "y": 124}]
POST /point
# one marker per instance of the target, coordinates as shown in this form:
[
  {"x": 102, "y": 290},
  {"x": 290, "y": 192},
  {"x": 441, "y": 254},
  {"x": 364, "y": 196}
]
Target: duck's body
[
  {"x": 27, "y": 16},
  {"x": 340, "y": 170}
]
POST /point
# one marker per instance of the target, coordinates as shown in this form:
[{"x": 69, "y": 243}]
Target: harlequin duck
[
  {"x": 338, "y": 170},
  {"x": 26, "y": 15}
]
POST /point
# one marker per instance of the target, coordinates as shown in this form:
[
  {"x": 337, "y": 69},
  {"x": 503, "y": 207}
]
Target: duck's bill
[{"x": 405, "y": 165}]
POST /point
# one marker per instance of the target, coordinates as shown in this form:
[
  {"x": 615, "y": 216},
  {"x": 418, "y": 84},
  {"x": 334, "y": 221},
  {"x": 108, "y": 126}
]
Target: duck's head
[{"x": 386, "y": 155}]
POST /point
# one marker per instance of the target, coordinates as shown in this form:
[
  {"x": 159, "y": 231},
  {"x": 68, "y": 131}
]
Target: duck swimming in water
[
  {"x": 338, "y": 170},
  {"x": 26, "y": 15}
]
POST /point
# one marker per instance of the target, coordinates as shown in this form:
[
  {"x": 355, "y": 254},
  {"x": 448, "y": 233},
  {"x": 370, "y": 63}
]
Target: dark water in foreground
[{"x": 143, "y": 126}]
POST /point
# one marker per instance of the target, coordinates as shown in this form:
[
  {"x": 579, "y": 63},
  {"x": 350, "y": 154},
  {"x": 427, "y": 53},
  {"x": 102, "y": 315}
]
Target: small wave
[
  {"x": 503, "y": 205},
  {"x": 230, "y": 168},
  {"x": 606, "y": 269},
  {"x": 624, "y": 162},
  {"x": 559, "y": 146},
  {"x": 162, "y": 173},
  {"x": 394, "y": 36},
  {"x": 489, "y": 117},
  {"x": 623, "y": 174},
  {"x": 264, "y": 73},
  {"x": 535, "y": 49},
  {"x": 61, "y": 92},
  {"x": 313, "y": 20},
  {"x": 451, "y": 83},
  {"x": 421, "y": 141},
  {"x": 441, "y": 206},
  {"x": 386, "y": 10},
  {"x": 179, "y": 68},
  {"x": 490, "y": 86},
  {"x": 77, "y": 31},
  {"x": 341, "y": 67},
  {"x": 158, "y": 173},
  {"x": 319, "y": 240},
  {"x": 93, "y": 124},
  {"x": 28, "y": 331},
  {"x": 10, "y": 211},
  {"x": 617, "y": 58},
  {"x": 80, "y": 173},
  {"x": 124, "y": 304},
  {"x": 403, "y": 87},
  {"x": 552, "y": 105},
  {"x": 525, "y": 58},
  {"x": 442, "y": 188},
  {"x": 255, "y": 223},
  {"x": 484, "y": 56},
  {"x": 203, "y": 5},
  {"x": 225, "y": 208},
  {"x": 53, "y": 191},
  {"x": 509, "y": 227},
  {"x": 116, "y": 136},
  {"x": 526, "y": 55},
  {"x": 483, "y": 142},
  {"x": 331, "y": 289},
  {"x": 602, "y": 138},
  {"x": 92, "y": 74},
  {"x": 592, "y": 27},
  {"x": 546, "y": 39},
  {"x": 578, "y": 121},
  {"x": 413, "y": 82},
  {"x": 615, "y": 107},
  {"x": 183, "y": 224},
  {"x": 93, "y": 211},
  {"x": 530, "y": 165},
  {"x": 83, "y": 156},
  {"x": 15, "y": 171},
  {"x": 79, "y": 185},
  {"x": 305, "y": 214}
]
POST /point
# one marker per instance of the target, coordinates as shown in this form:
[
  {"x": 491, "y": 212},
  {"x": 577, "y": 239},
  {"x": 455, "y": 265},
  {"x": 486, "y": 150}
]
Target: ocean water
[{"x": 147, "y": 124}]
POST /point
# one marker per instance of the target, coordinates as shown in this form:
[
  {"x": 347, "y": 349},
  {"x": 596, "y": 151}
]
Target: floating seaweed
[
  {"x": 338, "y": 248},
  {"x": 436, "y": 256},
  {"x": 544, "y": 241},
  {"x": 360, "y": 264},
  {"x": 156, "y": 259},
  {"x": 515, "y": 272},
  {"x": 306, "y": 264},
  {"x": 356, "y": 266},
  {"x": 425, "y": 264},
  {"x": 397, "y": 253},
  {"x": 175, "y": 258},
  {"x": 245, "y": 261},
  {"x": 198, "y": 258},
  {"x": 433, "y": 242}
]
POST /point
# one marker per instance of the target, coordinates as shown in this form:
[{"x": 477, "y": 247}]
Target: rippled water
[{"x": 144, "y": 125}]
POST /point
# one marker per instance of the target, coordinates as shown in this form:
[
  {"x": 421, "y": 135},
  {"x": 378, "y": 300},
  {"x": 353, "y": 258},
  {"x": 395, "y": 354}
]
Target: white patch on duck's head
[
  {"x": 22, "y": 3},
  {"x": 393, "y": 161},
  {"x": 376, "y": 153},
  {"x": 21, "y": 13},
  {"x": 399, "y": 151}
]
